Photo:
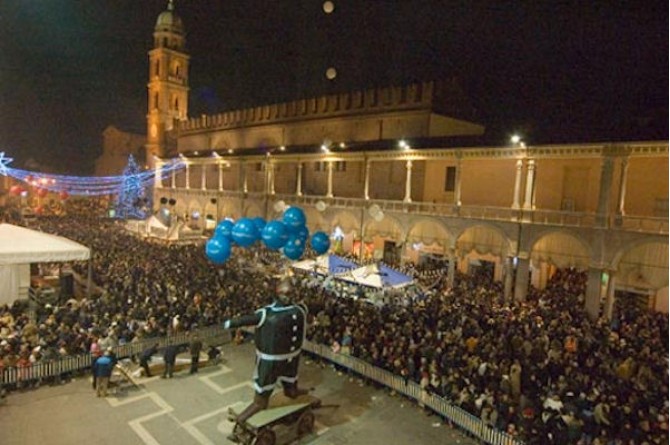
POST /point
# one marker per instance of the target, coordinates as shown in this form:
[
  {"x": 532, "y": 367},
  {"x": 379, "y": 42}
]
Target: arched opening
[
  {"x": 209, "y": 216},
  {"x": 641, "y": 276},
  {"x": 480, "y": 250},
  {"x": 229, "y": 208},
  {"x": 556, "y": 250},
  {"x": 314, "y": 220},
  {"x": 427, "y": 241},
  {"x": 345, "y": 229},
  {"x": 382, "y": 240},
  {"x": 252, "y": 210},
  {"x": 194, "y": 216}
]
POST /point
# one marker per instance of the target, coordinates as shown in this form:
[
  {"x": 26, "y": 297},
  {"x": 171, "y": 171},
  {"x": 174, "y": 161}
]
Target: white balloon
[
  {"x": 379, "y": 216},
  {"x": 328, "y": 7},
  {"x": 374, "y": 209},
  {"x": 320, "y": 206},
  {"x": 279, "y": 206}
]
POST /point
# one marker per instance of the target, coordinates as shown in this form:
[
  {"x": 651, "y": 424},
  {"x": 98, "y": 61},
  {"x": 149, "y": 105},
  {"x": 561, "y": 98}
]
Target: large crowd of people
[{"x": 539, "y": 370}]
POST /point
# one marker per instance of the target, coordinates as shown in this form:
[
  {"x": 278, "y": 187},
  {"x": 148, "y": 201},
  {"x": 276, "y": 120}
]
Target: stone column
[
  {"x": 451, "y": 271},
  {"x": 188, "y": 176},
  {"x": 361, "y": 248},
  {"x": 622, "y": 188},
  {"x": 592, "y": 300},
  {"x": 528, "y": 202},
  {"x": 457, "y": 185},
  {"x": 271, "y": 178},
  {"x": 298, "y": 181},
  {"x": 366, "y": 189},
  {"x": 203, "y": 176},
  {"x": 509, "y": 278},
  {"x": 243, "y": 174},
  {"x": 330, "y": 179},
  {"x": 173, "y": 179},
  {"x": 610, "y": 297},
  {"x": 408, "y": 182},
  {"x": 606, "y": 173},
  {"x": 158, "y": 169},
  {"x": 517, "y": 185},
  {"x": 521, "y": 283}
]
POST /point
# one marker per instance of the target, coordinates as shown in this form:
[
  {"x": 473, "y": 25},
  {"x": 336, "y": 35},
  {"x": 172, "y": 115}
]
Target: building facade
[
  {"x": 117, "y": 146},
  {"x": 396, "y": 173}
]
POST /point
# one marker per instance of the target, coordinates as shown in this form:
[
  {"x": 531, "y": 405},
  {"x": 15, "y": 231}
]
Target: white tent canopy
[
  {"x": 327, "y": 264},
  {"x": 20, "y": 246},
  {"x": 378, "y": 276}
]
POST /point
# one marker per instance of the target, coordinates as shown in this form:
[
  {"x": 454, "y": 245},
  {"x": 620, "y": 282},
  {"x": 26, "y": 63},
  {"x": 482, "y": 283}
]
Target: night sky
[{"x": 560, "y": 71}]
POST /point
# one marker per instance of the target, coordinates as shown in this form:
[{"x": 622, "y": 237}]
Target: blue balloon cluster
[
  {"x": 245, "y": 232},
  {"x": 294, "y": 247},
  {"x": 218, "y": 250},
  {"x": 224, "y": 229},
  {"x": 320, "y": 243},
  {"x": 260, "y": 223},
  {"x": 290, "y": 234},
  {"x": 274, "y": 235},
  {"x": 294, "y": 218}
]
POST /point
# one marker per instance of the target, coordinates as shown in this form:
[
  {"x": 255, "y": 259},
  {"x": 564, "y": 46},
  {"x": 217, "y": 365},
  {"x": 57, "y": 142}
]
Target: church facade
[{"x": 397, "y": 174}]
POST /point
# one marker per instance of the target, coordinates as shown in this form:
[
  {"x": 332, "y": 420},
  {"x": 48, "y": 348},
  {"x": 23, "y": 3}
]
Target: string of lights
[{"x": 85, "y": 185}]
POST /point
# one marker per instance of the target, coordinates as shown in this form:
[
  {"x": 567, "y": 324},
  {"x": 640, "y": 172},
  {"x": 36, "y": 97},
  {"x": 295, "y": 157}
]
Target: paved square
[{"x": 191, "y": 409}]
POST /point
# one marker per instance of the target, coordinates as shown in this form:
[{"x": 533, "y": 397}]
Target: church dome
[{"x": 169, "y": 21}]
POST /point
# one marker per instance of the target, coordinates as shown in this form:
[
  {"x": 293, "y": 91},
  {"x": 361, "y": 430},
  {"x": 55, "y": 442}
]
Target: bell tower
[{"x": 168, "y": 84}]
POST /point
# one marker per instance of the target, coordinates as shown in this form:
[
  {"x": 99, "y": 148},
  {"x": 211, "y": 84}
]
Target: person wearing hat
[{"x": 279, "y": 335}]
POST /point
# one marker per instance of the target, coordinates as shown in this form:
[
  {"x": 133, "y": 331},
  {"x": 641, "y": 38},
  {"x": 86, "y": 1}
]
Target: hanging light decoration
[{"x": 83, "y": 185}]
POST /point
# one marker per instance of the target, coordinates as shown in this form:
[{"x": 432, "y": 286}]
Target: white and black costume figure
[{"x": 280, "y": 333}]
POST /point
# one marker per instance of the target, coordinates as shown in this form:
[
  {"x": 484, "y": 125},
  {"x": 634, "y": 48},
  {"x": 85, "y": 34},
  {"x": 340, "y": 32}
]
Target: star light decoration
[{"x": 4, "y": 162}]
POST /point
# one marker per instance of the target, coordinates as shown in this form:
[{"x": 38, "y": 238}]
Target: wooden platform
[
  {"x": 284, "y": 421},
  {"x": 270, "y": 415}
]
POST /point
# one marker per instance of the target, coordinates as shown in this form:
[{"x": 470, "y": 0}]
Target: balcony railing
[
  {"x": 560, "y": 218},
  {"x": 489, "y": 213},
  {"x": 640, "y": 224}
]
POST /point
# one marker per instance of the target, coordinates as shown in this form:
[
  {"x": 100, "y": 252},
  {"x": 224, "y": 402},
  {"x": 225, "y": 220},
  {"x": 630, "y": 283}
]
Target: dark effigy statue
[{"x": 279, "y": 335}]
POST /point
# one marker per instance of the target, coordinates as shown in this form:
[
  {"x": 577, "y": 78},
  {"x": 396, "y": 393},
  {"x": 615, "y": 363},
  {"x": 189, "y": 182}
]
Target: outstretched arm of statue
[{"x": 244, "y": 320}]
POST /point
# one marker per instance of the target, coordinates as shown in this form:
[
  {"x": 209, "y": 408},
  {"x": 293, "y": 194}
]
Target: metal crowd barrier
[
  {"x": 467, "y": 422},
  {"x": 215, "y": 335},
  {"x": 49, "y": 369}
]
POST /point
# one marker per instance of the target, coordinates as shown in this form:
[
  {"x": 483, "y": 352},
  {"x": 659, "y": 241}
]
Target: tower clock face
[{"x": 154, "y": 131}]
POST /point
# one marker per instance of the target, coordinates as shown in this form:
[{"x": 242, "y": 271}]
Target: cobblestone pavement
[{"x": 191, "y": 409}]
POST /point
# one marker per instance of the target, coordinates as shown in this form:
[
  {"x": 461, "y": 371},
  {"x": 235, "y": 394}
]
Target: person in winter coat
[{"x": 102, "y": 370}]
